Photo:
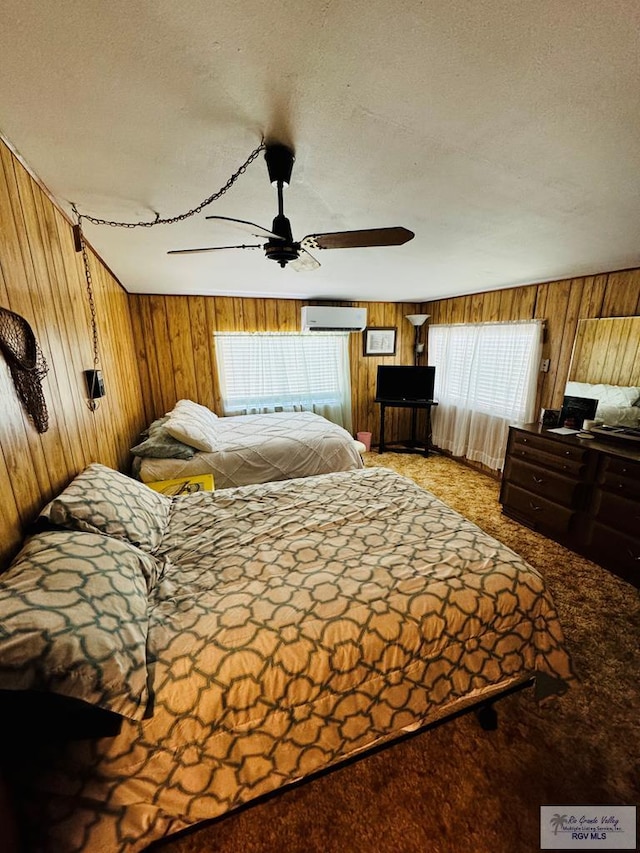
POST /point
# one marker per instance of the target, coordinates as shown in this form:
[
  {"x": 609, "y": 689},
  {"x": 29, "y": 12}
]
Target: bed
[
  {"x": 247, "y": 638},
  {"x": 243, "y": 449}
]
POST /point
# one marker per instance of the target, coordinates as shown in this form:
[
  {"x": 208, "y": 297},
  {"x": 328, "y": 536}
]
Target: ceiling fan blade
[
  {"x": 359, "y": 239},
  {"x": 305, "y": 262},
  {"x": 251, "y": 227},
  {"x": 210, "y": 249}
]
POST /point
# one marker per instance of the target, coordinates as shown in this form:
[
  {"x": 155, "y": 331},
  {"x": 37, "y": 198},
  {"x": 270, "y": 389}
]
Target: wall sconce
[{"x": 417, "y": 321}]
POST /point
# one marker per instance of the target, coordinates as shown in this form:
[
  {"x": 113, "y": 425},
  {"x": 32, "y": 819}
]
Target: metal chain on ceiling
[{"x": 81, "y": 246}]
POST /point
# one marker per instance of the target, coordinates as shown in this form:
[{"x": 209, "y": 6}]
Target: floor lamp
[{"x": 417, "y": 321}]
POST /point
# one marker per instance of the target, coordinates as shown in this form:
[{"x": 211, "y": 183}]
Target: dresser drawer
[
  {"x": 617, "y": 551},
  {"x": 536, "y": 511},
  {"x": 617, "y": 512},
  {"x": 621, "y": 477},
  {"x": 561, "y": 489},
  {"x": 557, "y": 455}
]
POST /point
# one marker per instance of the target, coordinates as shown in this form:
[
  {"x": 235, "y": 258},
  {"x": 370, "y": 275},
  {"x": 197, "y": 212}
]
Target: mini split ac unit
[{"x": 327, "y": 318}]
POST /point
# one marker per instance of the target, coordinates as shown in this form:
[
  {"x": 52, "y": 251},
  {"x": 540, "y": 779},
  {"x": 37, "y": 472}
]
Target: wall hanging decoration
[{"x": 27, "y": 365}]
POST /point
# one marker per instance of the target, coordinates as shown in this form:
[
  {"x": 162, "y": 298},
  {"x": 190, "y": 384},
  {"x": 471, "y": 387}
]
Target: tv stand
[{"x": 414, "y": 445}]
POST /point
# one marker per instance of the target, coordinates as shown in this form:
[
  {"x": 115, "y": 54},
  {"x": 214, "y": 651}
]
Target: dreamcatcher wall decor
[{"x": 26, "y": 364}]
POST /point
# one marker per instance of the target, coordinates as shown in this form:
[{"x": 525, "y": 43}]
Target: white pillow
[
  {"x": 188, "y": 407},
  {"x": 193, "y": 424}
]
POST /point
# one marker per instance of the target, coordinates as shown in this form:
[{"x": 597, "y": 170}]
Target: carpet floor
[{"x": 456, "y": 788}]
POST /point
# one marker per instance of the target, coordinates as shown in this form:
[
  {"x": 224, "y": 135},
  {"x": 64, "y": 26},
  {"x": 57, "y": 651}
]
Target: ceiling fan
[{"x": 280, "y": 246}]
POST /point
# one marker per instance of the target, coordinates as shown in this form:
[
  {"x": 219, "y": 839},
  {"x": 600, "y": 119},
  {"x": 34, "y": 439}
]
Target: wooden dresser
[{"x": 583, "y": 493}]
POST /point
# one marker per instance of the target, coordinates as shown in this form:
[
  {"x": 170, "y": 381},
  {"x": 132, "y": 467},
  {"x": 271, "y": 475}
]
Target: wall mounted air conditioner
[{"x": 327, "y": 318}]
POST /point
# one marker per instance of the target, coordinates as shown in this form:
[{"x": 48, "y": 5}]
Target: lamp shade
[{"x": 417, "y": 319}]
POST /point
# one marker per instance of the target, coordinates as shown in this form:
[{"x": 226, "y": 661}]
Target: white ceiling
[{"x": 504, "y": 133}]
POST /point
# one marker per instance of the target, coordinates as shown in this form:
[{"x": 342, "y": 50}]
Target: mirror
[{"x": 606, "y": 352}]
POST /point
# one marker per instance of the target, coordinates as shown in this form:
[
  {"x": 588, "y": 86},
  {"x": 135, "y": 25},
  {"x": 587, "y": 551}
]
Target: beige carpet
[{"x": 457, "y": 789}]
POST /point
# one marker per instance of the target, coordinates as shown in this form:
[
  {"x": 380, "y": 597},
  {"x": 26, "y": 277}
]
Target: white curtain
[
  {"x": 285, "y": 372},
  {"x": 486, "y": 379}
]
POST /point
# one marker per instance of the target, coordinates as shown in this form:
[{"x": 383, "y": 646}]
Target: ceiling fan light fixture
[{"x": 282, "y": 253}]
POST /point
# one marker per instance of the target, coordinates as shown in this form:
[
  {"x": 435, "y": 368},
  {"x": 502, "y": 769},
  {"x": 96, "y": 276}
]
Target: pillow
[
  {"x": 73, "y": 620},
  {"x": 101, "y": 500},
  {"x": 193, "y": 424},
  {"x": 188, "y": 407},
  {"x": 160, "y": 444}
]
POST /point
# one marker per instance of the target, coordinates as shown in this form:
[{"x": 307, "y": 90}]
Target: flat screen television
[{"x": 398, "y": 383}]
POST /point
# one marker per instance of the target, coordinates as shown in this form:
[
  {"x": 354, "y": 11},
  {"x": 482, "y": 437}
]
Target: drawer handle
[
  {"x": 535, "y": 507},
  {"x": 632, "y": 555},
  {"x": 567, "y": 453},
  {"x": 538, "y": 480}
]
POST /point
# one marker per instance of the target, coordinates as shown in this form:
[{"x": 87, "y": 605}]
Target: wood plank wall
[
  {"x": 607, "y": 350},
  {"x": 174, "y": 342},
  {"x": 561, "y": 303},
  {"x": 42, "y": 279}
]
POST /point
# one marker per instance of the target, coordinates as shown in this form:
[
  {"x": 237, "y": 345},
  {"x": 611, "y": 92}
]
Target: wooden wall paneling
[
  {"x": 20, "y": 494},
  {"x": 607, "y": 350},
  {"x": 103, "y": 414},
  {"x": 21, "y": 301},
  {"x": 249, "y": 315},
  {"x": 551, "y": 305},
  {"x": 160, "y": 337},
  {"x": 626, "y": 370},
  {"x": 203, "y": 355},
  {"x": 120, "y": 414},
  {"x": 211, "y": 313},
  {"x": 559, "y": 369},
  {"x": 474, "y": 313},
  {"x": 60, "y": 394},
  {"x": 622, "y": 294},
  {"x": 61, "y": 326},
  {"x": 181, "y": 347},
  {"x": 42, "y": 278},
  {"x": 56, "y": 445},
  {"x": 142, "y": 356},
  {"x": 237, "y": 305},
  {"x": 271, "y": 315},
  {"x": 142, "y": 307},
  {"x": 598, "y": 354},
  {"x": 289, "y": 315},
  {"x": 524, "y": 302},
  {"x": 77, "y": 317},
  {"x": 593, "y": 290}
]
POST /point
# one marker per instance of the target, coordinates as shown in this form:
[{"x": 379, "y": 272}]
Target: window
[
  {"x": 486, "y": 378},
  {"x": 267, "y": 372}
]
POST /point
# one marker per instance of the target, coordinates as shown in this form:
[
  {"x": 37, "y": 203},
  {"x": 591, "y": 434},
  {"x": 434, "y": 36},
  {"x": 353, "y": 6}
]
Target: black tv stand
[{"x": 414, "y": 445}]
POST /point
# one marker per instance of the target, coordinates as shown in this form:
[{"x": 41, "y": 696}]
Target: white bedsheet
[{"x": 263, "y": 448}]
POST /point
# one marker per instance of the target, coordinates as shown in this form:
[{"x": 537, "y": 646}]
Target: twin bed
[
  {"x": 248, "y": 637},
  {"x": 243, "y": 449}
]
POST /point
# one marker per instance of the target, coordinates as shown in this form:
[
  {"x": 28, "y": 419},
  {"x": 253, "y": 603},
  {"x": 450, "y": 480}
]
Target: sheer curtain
[
  {"x": 486, "y": 378},
  {"x": 285, "y": 372}
]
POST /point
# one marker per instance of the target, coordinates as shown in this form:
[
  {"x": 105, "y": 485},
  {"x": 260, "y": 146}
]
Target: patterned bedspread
[
  {"x": 295, "y": 624},
  {"x": 262, "y": 448}
]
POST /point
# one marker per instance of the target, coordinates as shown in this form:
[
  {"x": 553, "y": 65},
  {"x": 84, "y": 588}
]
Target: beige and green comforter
[{"x": 290, "y": 626}]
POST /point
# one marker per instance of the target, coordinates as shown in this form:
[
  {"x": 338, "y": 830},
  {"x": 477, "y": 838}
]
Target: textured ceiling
[{"x": 505, "y": 134}]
